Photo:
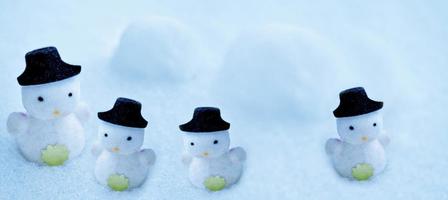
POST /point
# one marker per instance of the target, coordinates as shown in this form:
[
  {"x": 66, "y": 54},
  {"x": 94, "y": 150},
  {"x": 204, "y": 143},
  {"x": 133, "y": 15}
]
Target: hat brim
[
  {"x": 65, "y": 70},
  {"x": 114, "y": 118},
  {"x": 195, "y": 127},
  {"x": 349, "y": 111}
]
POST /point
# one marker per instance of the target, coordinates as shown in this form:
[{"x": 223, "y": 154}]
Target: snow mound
[
  {"x": 375, "y": 63},
  {"x": 158, "y": 50},
  {"x": 279, "y": 70}
]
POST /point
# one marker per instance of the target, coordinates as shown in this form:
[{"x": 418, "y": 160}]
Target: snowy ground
[{"x": 275, "y": 69}]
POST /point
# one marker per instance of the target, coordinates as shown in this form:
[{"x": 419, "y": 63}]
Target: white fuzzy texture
[
  {"x": 362, "y": 145},
  {"x": 208, "y": 158},
  {"x": 119, "y": 156},
  {"x": 53, "y": 121}
]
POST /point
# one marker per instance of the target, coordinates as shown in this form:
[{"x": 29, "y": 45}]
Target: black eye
[
  {"x": 215, "y": 142},
  {"x": 374, "y": 124},
  {"x": 129, "y": 138},
  {"x": 41, "y": 99},
  {"x": 70, "y": 94},
  {"x": 351, "y": 128},
  {"x": 192, "y": 144},
  {"x": 105, "y": 135}
]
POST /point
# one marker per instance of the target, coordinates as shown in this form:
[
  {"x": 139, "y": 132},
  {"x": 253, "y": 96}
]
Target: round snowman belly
[
  {"x": 52, "y": 142},
  {"x": 44, "y": 150},
  {"x": 33, "y": 143},
  {"x": 361, "y": 164},
  {"x": 120, "y": 174},
  {"x": 214, "y": 175},
  {"x": 136, "y": 174}
]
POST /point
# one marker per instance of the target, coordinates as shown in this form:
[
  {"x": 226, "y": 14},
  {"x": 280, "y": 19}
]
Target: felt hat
[
  {"x": 205, "y": 119},
  {"x": 354, "y": 102},
  {"x": 126, "y": 112},
  {"x": 45, "y": 66}
]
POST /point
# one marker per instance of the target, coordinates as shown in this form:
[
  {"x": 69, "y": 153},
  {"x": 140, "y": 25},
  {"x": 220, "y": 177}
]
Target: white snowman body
[
  {"x": 120, "y": 153},
  {"x": 54, "y": 116},
  {"x": 208, "y": 155},
  {"x": 362, "y": 142}
]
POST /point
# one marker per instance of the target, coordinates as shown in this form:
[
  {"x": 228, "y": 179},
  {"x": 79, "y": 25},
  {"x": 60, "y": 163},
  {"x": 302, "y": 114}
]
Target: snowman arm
[
  {"x": 332, "y": 146},
  {"x": 82, "y": 113},
  {"x": 97, "y": 149},
  {"x": 186, "y": 158},
  {"x": 384, "y": 139},
  {"x": 147, "y": 157},
  {"x": 237, "y": 154},
  {"x": 17, "y": 123}
]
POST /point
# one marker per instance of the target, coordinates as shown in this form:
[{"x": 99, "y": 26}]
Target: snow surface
[{"x": 275, "y": 69}]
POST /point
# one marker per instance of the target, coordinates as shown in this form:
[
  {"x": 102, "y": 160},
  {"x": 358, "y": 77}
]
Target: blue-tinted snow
[{"x": 275, "y": 68}]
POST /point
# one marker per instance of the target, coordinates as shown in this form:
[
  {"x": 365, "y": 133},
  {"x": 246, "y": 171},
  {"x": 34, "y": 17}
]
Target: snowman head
[
  {"x": 206, "y": 135},
  {"x": 122, "y": 128},
  {"x": 50, "y": 87},
  {"x": 360, "y": 129},
  {"x": 51, "y": 100},
  {"x": 206, "y": 144},
  {"x": 359, "y": 118},
  {"x": 120, "y": 139}
]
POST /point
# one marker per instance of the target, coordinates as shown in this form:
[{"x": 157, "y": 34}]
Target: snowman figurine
[
  {"x": 359, "y": 154},
  {"x": 121, "y": 163},
  {"x": 206, "y": 138},
  {"x": 51, "y": 130}
]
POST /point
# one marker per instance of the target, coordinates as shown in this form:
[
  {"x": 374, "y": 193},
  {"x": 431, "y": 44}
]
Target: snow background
[{"x": 275, "y": 69}]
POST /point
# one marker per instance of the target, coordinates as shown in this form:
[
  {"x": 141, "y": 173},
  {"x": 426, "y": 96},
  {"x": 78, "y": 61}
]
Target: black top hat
[
  {"x": 45, "y": 66},
  {"x": 126, "y": 112},
  {"x": 205, "y": 119},
  {"x": 355, "y": 102}
]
